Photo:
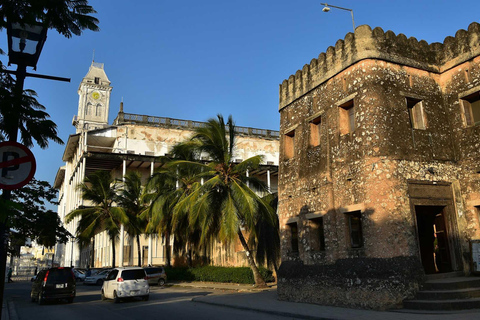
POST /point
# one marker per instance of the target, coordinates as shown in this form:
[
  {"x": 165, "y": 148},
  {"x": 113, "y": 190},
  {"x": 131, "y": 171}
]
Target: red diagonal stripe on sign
[{"x": 14, "y": 162}]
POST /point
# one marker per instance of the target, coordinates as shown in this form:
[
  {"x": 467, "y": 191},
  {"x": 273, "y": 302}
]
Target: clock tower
[{"x": 94, "y": 100}]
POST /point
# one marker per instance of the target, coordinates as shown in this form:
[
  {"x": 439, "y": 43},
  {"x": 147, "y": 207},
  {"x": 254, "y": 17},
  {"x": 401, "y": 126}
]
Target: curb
[
  {"x": 12, "y": 312},
  {"x": 271, "y": 312}
]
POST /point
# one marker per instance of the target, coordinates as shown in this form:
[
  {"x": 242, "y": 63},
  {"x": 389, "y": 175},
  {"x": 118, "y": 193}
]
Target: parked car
[
  {"x": 98, "y": 278},
  {"x": 53, "y": 284},
  {"x": 79, "y": 275},
  {"x": 156, "y": 275},
  {"x": 126, "y": 282}
]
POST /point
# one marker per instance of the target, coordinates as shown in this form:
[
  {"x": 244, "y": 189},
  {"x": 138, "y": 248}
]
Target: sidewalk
[{"x": 246, "y": 297}]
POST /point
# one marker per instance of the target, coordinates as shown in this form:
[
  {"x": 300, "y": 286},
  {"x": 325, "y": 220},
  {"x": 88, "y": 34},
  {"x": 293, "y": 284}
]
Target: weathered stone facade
[{"x": 380, "y": 150}]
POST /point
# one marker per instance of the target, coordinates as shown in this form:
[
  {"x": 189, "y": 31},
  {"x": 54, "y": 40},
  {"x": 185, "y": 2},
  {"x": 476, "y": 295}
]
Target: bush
[{"x": 217, "y": 274}]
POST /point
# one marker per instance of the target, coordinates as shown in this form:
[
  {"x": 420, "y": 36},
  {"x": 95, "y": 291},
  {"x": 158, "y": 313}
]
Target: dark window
[
  {"x": 416, "y": 114},
  {"x": 289, "y": 147},
  {"x": 97, "y": 80},
  {"x": 347, "y": 117},
  {"x": 471, "y": 109},
  {"x": 315, "y": 131},
  {"x": 354, "y": 220},
  {"x": 59, "y": 275},
  {"x": 318, "y": 234},
  {"x": 135, "y": 274},
  {"x": 294, "y": 237},
  {"x": 152, "y": 270},
  {"x": 112, "y": 275}
]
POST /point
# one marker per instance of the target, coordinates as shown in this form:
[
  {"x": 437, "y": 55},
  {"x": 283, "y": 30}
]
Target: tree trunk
[
  {"x": 259, "y": 281},
  {"x": 139, "y": 251},
  {"x": 113, "y": 252}
]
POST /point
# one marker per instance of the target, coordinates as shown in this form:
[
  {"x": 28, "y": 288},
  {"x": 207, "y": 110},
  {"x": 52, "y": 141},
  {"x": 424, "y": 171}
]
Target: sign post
[{"x": 17, "y": 165}]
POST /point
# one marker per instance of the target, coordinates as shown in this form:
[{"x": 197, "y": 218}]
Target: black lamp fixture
[{"x": 25, "y": 43}]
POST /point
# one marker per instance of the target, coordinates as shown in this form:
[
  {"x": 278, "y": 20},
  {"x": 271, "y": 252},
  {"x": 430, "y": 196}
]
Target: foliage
[
  {"x": 30, "y": 119},
  {"x": 30, "y": 218},
  {"x": 170, "y": 184},
  {"x": 67, "y": 17},
  {"x": 267, "y": 237},
  {"x": 99, "y": 189},
  {"x": 132, "y": 199},
  {"x": 227, "y": 202},
  {"x": 217, "y": 274}
]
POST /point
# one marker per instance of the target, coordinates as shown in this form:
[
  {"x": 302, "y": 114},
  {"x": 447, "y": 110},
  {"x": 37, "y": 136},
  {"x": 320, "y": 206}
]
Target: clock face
[{"x": 95, "y": 95}]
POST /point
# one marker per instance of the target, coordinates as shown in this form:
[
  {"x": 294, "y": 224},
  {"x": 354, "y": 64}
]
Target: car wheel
[
  {"x": 116, "y": 299},
  {"x": 103, "y": 296},
  {"x": 99, "y": 282},
  {"x": 70, "y": 300},
  {"x": 40, "y": 299},
  {"x": 145, "y": 298},
  {"x": 161, "y": 282}
]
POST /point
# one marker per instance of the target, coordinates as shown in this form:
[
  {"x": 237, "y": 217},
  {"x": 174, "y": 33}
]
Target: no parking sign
[{"x": 17, "y": 165}]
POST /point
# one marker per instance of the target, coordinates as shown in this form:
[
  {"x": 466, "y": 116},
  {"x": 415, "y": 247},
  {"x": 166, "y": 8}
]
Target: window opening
[
  {"x": 97, "y": 80},
  {"x": 315, "y": 131},
  {"x": 471, "y": 109},
  {"x": 354, "y": 220},
  {"x": 415, "y": 111},
  {"x": 294, "y": 237},
  {"x": 318, "y": 234},
  {"x": 289, "y": 144},
  {"x": 347, "y": 117}
]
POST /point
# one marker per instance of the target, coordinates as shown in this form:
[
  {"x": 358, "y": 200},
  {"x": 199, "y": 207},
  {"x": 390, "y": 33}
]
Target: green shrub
[{"x": 217, "y": 274}]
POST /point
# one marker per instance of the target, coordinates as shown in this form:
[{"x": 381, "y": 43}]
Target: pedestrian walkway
[{"x": 247, "y": 297}]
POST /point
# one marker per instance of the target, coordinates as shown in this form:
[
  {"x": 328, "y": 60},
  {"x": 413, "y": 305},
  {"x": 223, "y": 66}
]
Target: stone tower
[{"x": 94, "y": 99}]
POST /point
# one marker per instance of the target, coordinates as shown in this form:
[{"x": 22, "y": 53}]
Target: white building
[{"x": 132, "y": 142}]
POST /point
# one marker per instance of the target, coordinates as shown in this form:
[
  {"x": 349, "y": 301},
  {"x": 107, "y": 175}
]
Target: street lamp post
[
  {"x": 25, "y": 43},
  {"x": 327, "y": 9}
]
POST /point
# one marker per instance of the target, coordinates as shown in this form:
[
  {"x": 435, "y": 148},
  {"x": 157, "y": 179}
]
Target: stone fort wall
[{"x": 383, "y": 168}]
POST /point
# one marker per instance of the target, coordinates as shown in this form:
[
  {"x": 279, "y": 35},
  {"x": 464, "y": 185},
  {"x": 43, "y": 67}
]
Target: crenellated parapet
[{"x": 366, "y": 43}]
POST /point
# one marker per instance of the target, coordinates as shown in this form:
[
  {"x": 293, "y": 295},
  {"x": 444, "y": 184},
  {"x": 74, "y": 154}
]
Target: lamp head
[{"x": 326, "y": 9}]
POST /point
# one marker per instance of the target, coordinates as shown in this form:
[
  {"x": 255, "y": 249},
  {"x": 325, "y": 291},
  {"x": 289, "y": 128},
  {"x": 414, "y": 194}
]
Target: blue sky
[{"x": 193, "y": 59}]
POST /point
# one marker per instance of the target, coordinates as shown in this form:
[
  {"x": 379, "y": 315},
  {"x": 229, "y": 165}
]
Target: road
[{"x": 165, "y": 303}]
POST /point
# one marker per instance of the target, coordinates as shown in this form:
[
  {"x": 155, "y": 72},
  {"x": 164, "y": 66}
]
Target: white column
[
  {"x": 122, "y": 228},
  {"x": 150, "y": 249},
  {"x": 247, "y": 174},
  {"x": 122, "y": 239},
  {"x": 268, "y": 180}
]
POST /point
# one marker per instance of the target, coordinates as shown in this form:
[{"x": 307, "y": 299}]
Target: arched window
[
  {"x": 98, "y": 112},
  {"x": 89, "y": 109}
]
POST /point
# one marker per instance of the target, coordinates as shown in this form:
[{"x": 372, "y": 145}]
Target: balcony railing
[{"x": 123, "y": 118}]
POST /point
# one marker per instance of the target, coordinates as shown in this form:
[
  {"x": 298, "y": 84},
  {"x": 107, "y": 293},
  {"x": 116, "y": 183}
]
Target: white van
[{"x": 128, "y": 282}]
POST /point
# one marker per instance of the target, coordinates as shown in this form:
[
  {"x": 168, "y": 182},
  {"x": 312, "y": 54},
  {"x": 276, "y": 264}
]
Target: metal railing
[{"x": 187, "y": 124}]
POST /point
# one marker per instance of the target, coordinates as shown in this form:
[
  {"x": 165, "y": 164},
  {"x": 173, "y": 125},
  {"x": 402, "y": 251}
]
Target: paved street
[
  {"x": 165, "y": 303},
  {"x": 198, "y": 300}
]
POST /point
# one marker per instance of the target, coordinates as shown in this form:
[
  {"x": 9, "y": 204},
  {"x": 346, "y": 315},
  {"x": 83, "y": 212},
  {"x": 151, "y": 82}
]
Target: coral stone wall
[{"x": 382, "y": 168}]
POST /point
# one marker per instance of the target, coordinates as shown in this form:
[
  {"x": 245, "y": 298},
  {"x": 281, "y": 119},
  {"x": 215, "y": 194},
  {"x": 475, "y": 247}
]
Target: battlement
[{"x": 366, "y": 43}]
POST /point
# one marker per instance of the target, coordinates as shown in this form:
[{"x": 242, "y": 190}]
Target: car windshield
[{"x": 136, "y": 274}]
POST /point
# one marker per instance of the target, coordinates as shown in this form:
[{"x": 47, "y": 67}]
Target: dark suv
[{"x": 54, "y": 284}]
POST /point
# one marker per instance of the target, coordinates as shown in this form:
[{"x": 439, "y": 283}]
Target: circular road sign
[{"x": 17, "y": 165}]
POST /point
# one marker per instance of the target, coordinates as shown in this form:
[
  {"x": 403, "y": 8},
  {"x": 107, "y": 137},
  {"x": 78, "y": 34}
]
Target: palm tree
[
  {"x": 266, "y": 239},
  {"x": 226, "y": 205},
  {"x": 132, "y": 200},
  {"x": 67, "y": 17},
  {"x": 174, "y": 181},
  {"x": 30, "y": 119},
  {"x": 100, "y": 189}
]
